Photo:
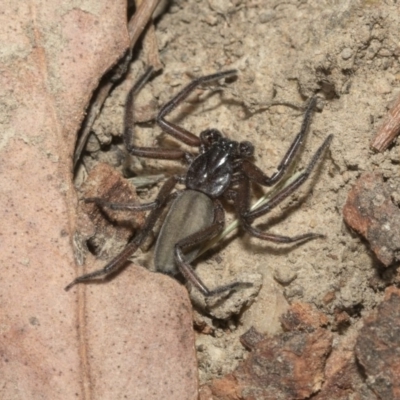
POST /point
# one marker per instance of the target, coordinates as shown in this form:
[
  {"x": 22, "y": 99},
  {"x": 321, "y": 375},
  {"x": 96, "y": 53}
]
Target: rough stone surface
[
  {"x": 369, "y": 210},
  {"x": 378, "y": 347},
  {"x": 343, "y": 378},
  {"x": 285, "y": 366},
  {"x": 302, "y": 317}
]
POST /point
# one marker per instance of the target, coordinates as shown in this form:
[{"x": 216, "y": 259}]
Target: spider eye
[
  {"x": 209, "y": 136},
  {"x": 246, "y": 149}
]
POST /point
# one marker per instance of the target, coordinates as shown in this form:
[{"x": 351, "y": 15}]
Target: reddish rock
[
  {"x": 252, "y": 338},
  {"x": 227, "y": 388},
  {"x": 370, "y": 211},
  {"x": 343, "y": 380},
  {"x": 342, "y": 318},
  {"x": 302, "y": 316},
  {"x": 378, "y": 347},
  {"x": 290, "y": 365},
  {"x": 329, "y": 297},
  {"x": 286, "y": 366}
]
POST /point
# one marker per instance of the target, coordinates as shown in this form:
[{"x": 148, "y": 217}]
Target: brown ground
[{"x": 287, "y": 52}]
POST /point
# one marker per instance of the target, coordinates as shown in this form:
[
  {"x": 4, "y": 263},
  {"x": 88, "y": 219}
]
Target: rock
[
  {"x": 378, "y": 347},
  {"x": 369, "y": 210},
  {"x": 286, "y": 366}
]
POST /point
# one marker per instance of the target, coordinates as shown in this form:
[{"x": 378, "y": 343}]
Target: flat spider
[{"x": 220, "y": 168}]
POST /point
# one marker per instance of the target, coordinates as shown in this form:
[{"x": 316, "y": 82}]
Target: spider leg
[
  {"x": 177, "y": 131},
  {"x": 117, "y": 262},
  {"x": 174, "y": 130},
  {"x": 129, "y": 127},
  {"x": 246, "y": 216},
  {"x": 256, "y": 175},
  {"x": 207, "y": 233},
  {"x": 123, "y": 206}
]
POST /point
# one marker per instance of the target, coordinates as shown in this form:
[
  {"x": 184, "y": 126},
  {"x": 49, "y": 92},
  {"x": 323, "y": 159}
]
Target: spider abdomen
[{"x": 191, "y": 212}]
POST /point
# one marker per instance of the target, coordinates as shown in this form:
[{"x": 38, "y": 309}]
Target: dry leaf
[{"x": 121, "y": 339}]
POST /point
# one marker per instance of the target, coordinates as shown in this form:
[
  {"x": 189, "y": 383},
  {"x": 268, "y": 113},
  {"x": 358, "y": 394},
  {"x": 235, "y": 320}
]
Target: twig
[
  {"x": 389, "y": 129},
  {"x": 150, "y": 48},
  {"x": 137, "y": 24}
]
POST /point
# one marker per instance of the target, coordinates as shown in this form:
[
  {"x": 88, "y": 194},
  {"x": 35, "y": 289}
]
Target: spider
[{"x": 220, "y": 169}]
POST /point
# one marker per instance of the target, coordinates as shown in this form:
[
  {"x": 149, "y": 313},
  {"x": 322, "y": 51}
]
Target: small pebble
[
  {"x": 284, "y": 275},
  {"x": 346, "y": 53},
  {"x": 266, "y": 16}
]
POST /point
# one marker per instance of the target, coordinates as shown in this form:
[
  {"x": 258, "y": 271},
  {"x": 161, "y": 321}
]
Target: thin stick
[
  {"x": 150, "y": 48},
  {"x": 150, "y": 45},
  {"x": 389, "y": 129}
]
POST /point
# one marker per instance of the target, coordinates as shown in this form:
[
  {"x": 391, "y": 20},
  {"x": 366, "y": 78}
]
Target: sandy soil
[{"x": 344, "y": 52}]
